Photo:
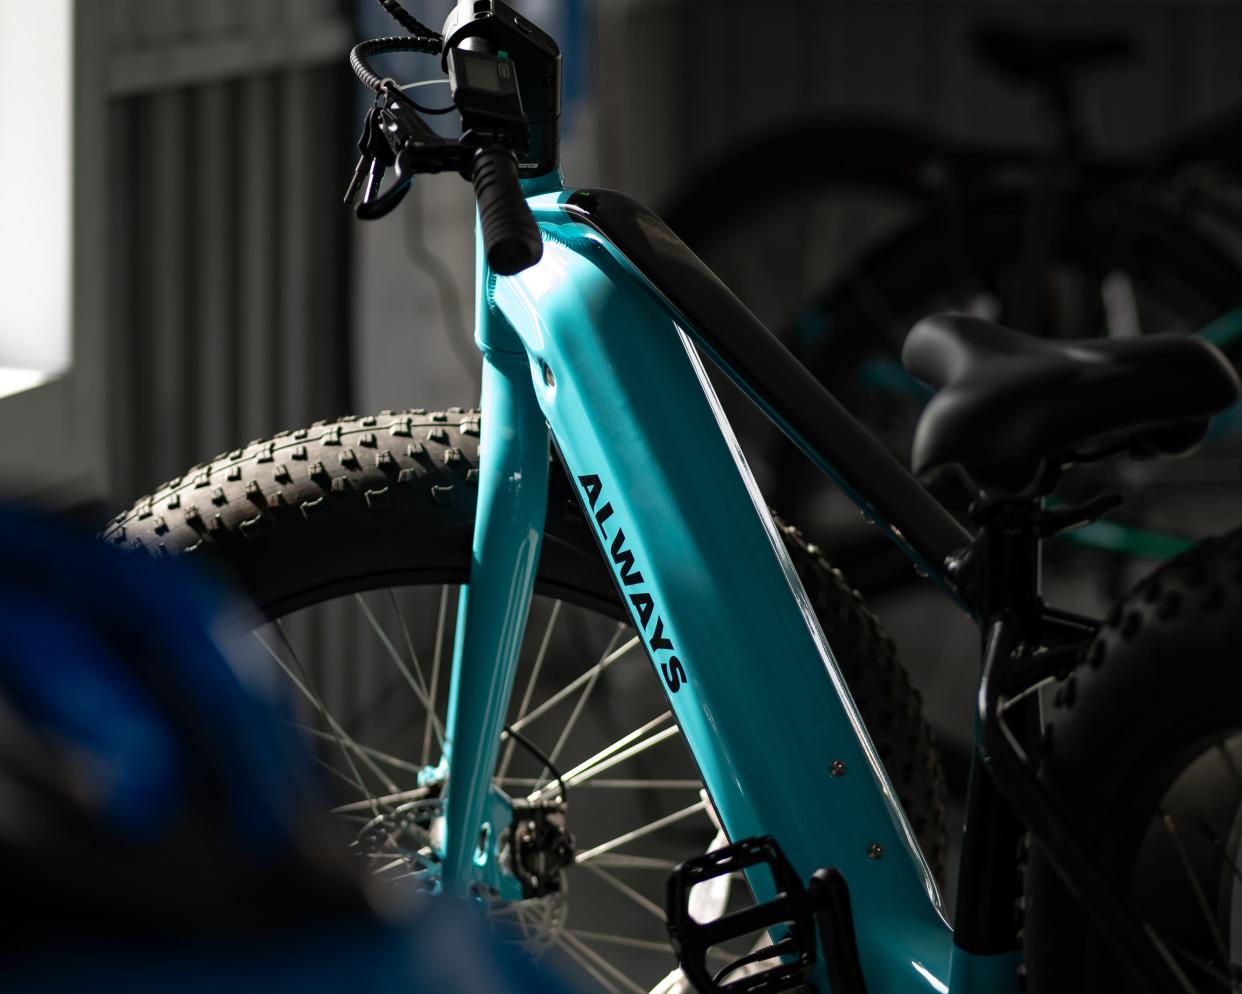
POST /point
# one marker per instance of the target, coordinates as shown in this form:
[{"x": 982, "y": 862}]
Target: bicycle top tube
[{"x": 756, "y": 360}]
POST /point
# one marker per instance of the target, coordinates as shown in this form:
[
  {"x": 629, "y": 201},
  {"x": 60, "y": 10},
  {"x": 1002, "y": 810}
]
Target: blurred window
[{"x": 36, "y": 42}]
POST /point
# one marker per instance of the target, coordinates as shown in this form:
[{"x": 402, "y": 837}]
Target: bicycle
[
  {"x": 876, "y": 223},
  {"x": 592, "y": 317}
]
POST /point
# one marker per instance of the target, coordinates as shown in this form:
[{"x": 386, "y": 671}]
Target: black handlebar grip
[{"x": 510, "y": 235}]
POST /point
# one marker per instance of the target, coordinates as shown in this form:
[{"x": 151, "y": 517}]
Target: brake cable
[{"x": 427, "y": 82}]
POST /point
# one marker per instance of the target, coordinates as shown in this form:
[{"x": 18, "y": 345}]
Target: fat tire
[
  {"x": 1160, "y": 679},
  {"x": 386, "y": 500}
]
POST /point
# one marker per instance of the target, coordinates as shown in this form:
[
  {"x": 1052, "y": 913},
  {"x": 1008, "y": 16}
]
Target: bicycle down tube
[{"x": 706, "y": 581}]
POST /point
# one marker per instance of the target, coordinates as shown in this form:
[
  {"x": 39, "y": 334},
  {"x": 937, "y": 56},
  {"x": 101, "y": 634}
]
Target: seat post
[
  {"x": 1007, "y": 557},
  {"x": 1004, "y": 562}
]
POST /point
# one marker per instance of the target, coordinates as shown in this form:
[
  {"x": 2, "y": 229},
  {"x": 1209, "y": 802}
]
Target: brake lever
[
  {"x": 355, "y": 184},
  {"x": 415, "y": 146},
  {"x": 395, "y": 135},
  {"x": 376, "y": 158},
  {"x": 376, "y": 207},
  {"x": 365, "y": 158},
  {"x": 377, "y": 155}
]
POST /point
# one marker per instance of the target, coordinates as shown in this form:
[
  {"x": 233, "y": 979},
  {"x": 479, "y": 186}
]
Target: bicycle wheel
[
  {"x": 352, "y": 537},
  {"x": 1145, "y": 749}
]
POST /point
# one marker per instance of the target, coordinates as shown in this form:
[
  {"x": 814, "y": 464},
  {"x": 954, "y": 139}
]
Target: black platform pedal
[{"x": 789, "y": 919}]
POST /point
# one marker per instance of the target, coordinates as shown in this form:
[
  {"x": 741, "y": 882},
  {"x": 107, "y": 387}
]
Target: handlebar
[
  {"x": 488, "y": 91},
  {"x": 510, "y": 236}
]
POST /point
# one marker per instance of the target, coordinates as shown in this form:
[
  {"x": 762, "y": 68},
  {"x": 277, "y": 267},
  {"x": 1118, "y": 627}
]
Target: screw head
[
  {"x": 837, "y": 769},
  {"x": 548, "y": 378},
  {"x": 875, "y": 851}
]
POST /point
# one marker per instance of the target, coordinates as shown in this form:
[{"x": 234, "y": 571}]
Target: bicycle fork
[{"x": 493, "y": 608}]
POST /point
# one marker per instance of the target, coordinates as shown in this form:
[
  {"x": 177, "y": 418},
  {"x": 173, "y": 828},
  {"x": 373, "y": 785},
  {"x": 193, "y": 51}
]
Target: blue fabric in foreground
[
  {"x": 125, "y": 686},
  {"x": 86, "y": 640}
]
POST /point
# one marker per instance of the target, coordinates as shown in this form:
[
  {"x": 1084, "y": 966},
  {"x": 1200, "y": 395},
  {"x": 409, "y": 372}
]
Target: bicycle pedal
[{"x": 789, "y": 919}]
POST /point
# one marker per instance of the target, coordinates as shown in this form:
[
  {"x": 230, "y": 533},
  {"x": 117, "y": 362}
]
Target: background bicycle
[{"x": 882, "y": 221}]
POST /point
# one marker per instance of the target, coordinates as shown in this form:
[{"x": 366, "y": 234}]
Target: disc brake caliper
[{"x": 538, "y": 847}]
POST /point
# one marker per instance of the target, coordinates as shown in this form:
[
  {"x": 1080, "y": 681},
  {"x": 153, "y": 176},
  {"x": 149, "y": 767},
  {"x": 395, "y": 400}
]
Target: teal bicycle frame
[{"x": 583, "y": 349}]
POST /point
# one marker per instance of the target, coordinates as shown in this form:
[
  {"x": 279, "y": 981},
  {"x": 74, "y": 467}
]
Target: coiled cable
[{"x": 365, "y": 50}]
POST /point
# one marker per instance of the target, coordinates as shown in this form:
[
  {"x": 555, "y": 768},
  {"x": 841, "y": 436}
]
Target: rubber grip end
[{"x": 511, "y": 237}]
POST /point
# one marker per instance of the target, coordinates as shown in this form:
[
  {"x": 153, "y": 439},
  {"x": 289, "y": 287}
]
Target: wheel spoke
[
  {"x": 1172, "y": 963},
  {"x": 639, "y": 833},
  {"x": 433, "y": 718},
  {"x": 368, "y": 803},
  {"x": 418, "y": 687},
  {"x": 622, "y": 861},
  {"x": 622, "y": 887},
  {"x": 563, "y": 943},
  {"x": 363, "y": 750},
  {"x": 416, "y": 794},
  {"x": 1170, "y": 827},
  {"x": 366, "y": 718},
  {"x": 581, "y": 702},
  {"x": 610, "y": 784},
  {"x": 530, "y": 684},
  {"x": 607, "y": 758},
  {"x": 436, "y": 654},
  {"x": 1193, "y": 959},
  {"x": 573, "y": 685},
  {"x": 347, "y": 745},
  {"x": 621, "y": 940},
  {"x": 1206, "y": 834},
  {"x": 603, "y": 964},
  {"x": 590, "y": 772},
  {"x": 345, "y": 742},
  {"x": 650, "y": 741}
]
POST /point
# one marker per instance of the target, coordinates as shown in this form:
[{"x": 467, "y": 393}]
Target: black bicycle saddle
[
  {"x": 1053, "y": 57},
  {"x": 1010, "y": 409}
]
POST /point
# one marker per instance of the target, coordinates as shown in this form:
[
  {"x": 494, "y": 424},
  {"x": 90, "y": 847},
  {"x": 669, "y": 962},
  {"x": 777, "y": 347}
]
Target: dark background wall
[
  {"x": 221, "y": 292},
  {"x": 227, "y": 259}
]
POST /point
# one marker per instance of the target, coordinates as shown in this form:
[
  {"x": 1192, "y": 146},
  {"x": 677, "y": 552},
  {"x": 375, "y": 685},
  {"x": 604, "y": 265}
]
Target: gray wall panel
[
  {"x": 215, "y": 227},
  {"x": 258, "y": 262},
  {"x": 226, "y": 303}
]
